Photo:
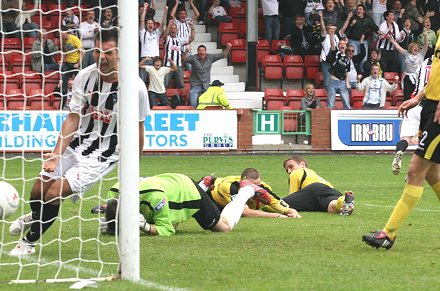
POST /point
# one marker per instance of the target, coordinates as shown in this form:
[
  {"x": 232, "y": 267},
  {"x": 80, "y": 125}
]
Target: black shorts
[
  {"x": 315, "y": 197},
  {"x": 208, "y": 215},
  {"x": 428, "y": 147}
]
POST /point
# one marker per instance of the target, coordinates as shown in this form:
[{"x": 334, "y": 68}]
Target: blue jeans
[
  {"x": 153, "y": 96},
  {"x": 341, "y": 87},
  {"x": 194, "y": 93},
  {"x": 271, "y": 28},
  {"x": 88, "y": 58},
  {"x": 325, "y": 66},
  {"x": 288, "y": 25},
  {"x": 30, "y": 29},
  {"x": 51, "y": 67}
]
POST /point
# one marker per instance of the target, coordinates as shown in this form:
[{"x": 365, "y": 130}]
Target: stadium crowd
[{"x": 398, "y": 35}]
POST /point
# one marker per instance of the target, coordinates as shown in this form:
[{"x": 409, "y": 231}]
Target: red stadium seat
[
  {"x": 161, "y": 107},
  {"x": 312, "y": 65},
  {"x": 11, "y": 43},
  {"x": 237, "y": 12},
  {"x": 27, "y": 43},
  {"x": 357, "y": 99},
  {"x": 238, "y": 51},
  {"x": 293, "y": 97},
  {"x": 273, "y": 98},
  {"x": 397, "y": 97},
  {"x": 319, "y": 80},
  {"x": 263, "y": 49},
  {"x": 272, "y": 69},
  {"x": 277, "y": 43},
  {"x": 293, "y": 67},
  {"x": 184, "y": 107},
  {"x": 40, "y": 104},
  {"x": 213, "y": 107},
  {"x": 290, "y": 122},
  {"x": 227, "y": 32}
]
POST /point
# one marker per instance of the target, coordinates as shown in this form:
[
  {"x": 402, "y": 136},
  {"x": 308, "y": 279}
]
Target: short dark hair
[
  {"x": 156, "y": 58},
  {"x": 386, "y": 13},
  {"x": 201, "y": 46},
  {"x": 107, "y": 35},
  {"x": 250, "y": 173}
]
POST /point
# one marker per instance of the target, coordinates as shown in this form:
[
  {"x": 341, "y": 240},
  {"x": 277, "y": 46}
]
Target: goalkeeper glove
[{"x": 144, "y": 225}]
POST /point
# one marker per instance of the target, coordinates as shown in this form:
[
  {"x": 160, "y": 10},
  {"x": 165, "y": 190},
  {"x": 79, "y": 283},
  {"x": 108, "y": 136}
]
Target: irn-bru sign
[
  {"x": 164, "y": 130},
  {"x": 365, "y": 129}
]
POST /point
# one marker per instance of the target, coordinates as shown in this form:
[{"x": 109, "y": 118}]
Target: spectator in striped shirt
[{"x": 173, "y": 51}]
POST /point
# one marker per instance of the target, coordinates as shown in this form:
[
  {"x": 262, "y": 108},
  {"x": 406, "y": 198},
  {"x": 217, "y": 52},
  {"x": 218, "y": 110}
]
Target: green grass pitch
[{"x": 318, "y": 252}]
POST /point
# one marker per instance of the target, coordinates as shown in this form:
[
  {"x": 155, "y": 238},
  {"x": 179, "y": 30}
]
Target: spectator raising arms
[
  {"x": 413, "y": 59},
  {"x": 201, "y": 71},
  {"x": 375, "y": 88},
  {"x": 157, "y": 73}
]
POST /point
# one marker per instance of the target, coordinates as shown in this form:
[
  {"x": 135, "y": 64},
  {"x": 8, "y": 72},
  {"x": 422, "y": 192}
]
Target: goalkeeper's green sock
[{"x": 43, "y": 221}]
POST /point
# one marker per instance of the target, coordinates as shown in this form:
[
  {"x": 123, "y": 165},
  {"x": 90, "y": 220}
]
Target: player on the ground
[
  {"x": 409, "y": 129},
  {"x": 310, "y": 192},
  {"x": 87, "y": 147},
  {"x": 424, "y": 164},
  {"x": 226, "y": 188},
  {"x": 169, "y": 199}
]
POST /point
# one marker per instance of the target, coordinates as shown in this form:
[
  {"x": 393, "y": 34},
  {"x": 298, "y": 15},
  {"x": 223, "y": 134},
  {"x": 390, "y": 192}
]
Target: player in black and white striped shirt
[{"x": 87, "y": 148}]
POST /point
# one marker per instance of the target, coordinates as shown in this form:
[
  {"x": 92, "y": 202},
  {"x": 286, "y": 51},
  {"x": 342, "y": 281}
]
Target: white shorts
[
  {"x": 80, "y": 171},
  {"x": 410, "y": 125}
]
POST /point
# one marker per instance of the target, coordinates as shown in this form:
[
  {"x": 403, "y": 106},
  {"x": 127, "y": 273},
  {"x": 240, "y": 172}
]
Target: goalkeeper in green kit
[{"x": 169, "y": 199}]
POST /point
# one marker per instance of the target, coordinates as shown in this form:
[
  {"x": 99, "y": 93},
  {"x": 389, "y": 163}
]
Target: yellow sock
[
  {"x": 411, "y": 195},
  {"x": 436, "y": 188},
  {"x": 340, "y": 203}
]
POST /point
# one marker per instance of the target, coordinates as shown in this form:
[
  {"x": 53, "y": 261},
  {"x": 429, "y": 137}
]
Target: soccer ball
[{"x": 8, "y": 199}]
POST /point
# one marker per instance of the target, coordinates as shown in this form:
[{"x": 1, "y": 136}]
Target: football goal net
[{"x": 44, "y": 45}]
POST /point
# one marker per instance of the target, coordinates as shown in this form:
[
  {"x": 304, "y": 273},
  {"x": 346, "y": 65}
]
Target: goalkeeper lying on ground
[{"x": 169, "y": 199}]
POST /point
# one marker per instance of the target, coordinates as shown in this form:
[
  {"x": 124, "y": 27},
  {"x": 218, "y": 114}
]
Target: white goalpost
[{"x": 73, "y": 249}]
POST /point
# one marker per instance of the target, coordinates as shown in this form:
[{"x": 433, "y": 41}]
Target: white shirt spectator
[
  {"x": 270, "y": 7},
  {"x": 149, "y": 42},
  {"x": 87, "y": 32},
  {"x": 157, "y": 78}
]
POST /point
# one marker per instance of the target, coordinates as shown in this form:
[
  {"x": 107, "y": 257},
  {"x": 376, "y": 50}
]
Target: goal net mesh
[{"x": 33, "y": 105}]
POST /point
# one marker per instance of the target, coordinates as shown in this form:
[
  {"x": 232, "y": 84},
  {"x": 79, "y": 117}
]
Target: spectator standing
[
  {"x": 87, "y": 31},
  {"x": 332, "y": 13},
  {"x": 71, "y": 21},
  {"x": 149, "y": 38},
  {"x": 43, "y": 50},
  {"x": 355, "y": 62},
  {"x": 157, "y": 73},
  {"x": 378, "y": 8},
  {"x": 10, "y": 12},
  {"x": 398, "y": 11},
  {"x": 350, "y": 6},
  {"x": 328, "y": 33},
  {"x": 413, "y": 13},
  {"x": 390, "y": 29},
  {"x": 374, "y": 58},
  {"x": 375, "y": 88},
  {"x": 431, "y": 9},
  {"x": 271, "y": 20},
  {"x": 72, "y": 48},
  {"x": 340, "y": 66},
  {"x": 201, "y": 71},
  {"x": 290, "y": 9},
  {"x": 310, "y": 9},
  {"x": 360, "y": 24},
  {"x": 173, "y": 51},
  {"x": 24, "y": 21},
  {"x": 214, "y": 96},
  {"x": 431, "y": 37},
  {"x": 109, "y": 21},
  {"x": 301, "y": 34},
  {"x": 413, "y": 58}
]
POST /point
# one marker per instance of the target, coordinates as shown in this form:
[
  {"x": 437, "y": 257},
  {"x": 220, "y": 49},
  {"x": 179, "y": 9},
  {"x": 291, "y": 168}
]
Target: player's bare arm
[
  {"x": 408, "y": 104},
  {"x": 70, "y": 126}
]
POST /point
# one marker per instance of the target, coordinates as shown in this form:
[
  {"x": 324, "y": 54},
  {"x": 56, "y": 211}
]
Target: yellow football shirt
[
  {"x": 302, "y": 178},
  {"x": 433, "y": 89}
]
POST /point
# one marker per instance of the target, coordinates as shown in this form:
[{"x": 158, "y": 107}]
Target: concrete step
[
  {"x": 210, "y": 45},
  {"x": 224, "y": 78},
  {"x": 224, "y": 70},
  {"x": 245, "y": 99},
  {"x": 203, "y": 37},
  {"x": 210, "y": 51},
  {"x": 220, "y": 63},
  {"x": 233, "y": 86}
]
